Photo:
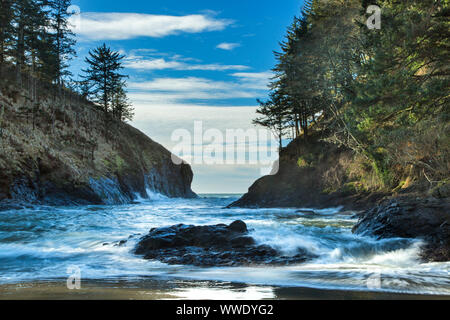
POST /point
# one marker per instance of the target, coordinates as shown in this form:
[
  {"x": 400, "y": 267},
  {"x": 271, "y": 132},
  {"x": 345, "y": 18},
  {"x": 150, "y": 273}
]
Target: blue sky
[{"x": 191, "y": 61}]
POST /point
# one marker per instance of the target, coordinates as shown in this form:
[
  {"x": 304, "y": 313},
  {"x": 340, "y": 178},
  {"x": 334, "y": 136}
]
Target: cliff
[
  {"x": 65, "y": 150},
  {"x": 314, "y": 173}
]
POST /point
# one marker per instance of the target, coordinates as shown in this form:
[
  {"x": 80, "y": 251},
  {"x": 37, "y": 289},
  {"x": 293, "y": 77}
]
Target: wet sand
[{"x": 150, "y": 289}]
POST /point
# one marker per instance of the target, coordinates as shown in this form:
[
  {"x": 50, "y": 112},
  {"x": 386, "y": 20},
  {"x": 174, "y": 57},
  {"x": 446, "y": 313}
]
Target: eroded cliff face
[
  {"x": 66, "y": 151},
  {"x": 314, "y": 174}
]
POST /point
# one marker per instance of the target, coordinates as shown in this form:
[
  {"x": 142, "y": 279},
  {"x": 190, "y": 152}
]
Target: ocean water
[{"x": 40, "y": 244}]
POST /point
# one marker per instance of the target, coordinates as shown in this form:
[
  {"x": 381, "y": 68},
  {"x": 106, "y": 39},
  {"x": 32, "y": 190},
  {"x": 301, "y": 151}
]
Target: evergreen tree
[
  {"x": 47, "y": 61},
  {"x": 63, "y": 37},
  {"x": 121, "y": 107},
  {"x": 6, "y": 32},
  {"x": 83, "y": 88},
  {"x": 29, "y": 21},
  {"x": 103, "y": 74},
  {"x": 403, "y": 84},
  {"x": 381, "y": 93},
  {"x": 273, "y": 117}
]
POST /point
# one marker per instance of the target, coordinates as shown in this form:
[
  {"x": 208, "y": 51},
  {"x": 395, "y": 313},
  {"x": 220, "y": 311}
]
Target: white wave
[
  {"x": 284, "y": 239},
  {"x": 155, "y": 196},
  {"x": 399, "y": 258},
  {"x": 75, "y": 236},
  {"x": 108, "y": 190},
  {"x": 150, "y": 196}
]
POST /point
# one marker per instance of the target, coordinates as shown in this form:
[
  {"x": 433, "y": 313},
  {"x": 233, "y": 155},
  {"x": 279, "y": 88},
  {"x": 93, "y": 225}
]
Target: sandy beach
[{"x": 150, "y": 289}]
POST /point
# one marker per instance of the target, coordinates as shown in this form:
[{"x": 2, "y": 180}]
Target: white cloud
[
  {"x": 163, "y": 105},
  {"x": 160, "y": 121},
  {"x": 181, "y": 84},
  {"x": 158, "y": 98},
  {"x": 151, "y": 64},
  {"x": 255, "y": 80},
  {"x": 161, "y": 64},
  {"x": 228, "y": 46},
  {"x": 122, "y": 26},
  {"x": 254, "y": 75},
  {"x": 192, "y": 88}
]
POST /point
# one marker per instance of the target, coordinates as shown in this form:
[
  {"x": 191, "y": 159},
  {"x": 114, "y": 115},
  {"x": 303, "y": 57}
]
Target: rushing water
[{"x": 40, "y": 243}]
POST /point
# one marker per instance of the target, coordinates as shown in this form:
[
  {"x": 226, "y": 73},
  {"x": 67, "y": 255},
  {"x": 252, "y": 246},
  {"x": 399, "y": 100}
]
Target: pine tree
[
  {"x": 273, "y": 116},
  {"x": 103, "y": 74},
  {"x": 29, "y": 20},
  {"x": 382, "y": 93},
  {"x": 121, "y": 107},
  {"x": 6, "y": 32},
  {"x": 47, "y": 62},
  {"x": 83, "y": 88},
  {"x": 63, "y": 37},
  {"x": 292, "y": 71}
]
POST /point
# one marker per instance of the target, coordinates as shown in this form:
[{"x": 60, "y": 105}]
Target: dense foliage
[
  {"x": 36, "y": 42},
  {"x": 380, "y": 92}
]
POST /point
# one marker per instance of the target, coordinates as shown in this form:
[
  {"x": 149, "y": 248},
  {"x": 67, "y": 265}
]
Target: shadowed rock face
[
  {"x": 428, "y": 219},
  {"x": 295, "y": 186},
  {"x": 218, "y": 245},
  {"x": 80, "y": 157}
]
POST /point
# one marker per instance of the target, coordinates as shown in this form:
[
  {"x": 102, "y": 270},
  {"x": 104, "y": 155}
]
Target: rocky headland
[{"x": 64, "y": 150}]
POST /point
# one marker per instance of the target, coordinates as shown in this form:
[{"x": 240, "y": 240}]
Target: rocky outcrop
[
  {"x": 218, "y": 245},
  {"x": 427, "y": 219},
  {"x": 318, "y": 174},
  {"x": 67, "y": 151},
  {"x": 312, "y": 174}
]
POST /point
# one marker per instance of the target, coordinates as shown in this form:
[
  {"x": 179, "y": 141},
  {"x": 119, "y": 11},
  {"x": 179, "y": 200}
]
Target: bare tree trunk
[
  {"x": 2, "y": 112},
  {"x": 20, "y": 55},
  {"x": 2, "y": 57}
]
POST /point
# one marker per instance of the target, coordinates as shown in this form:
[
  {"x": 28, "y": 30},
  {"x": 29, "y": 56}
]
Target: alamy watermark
[
  {"x": 374, "y": 281},
  {"x": 374, "y": 21},
  {"x": 74, "y": 280},
  {"x": 252, "y": 147}
]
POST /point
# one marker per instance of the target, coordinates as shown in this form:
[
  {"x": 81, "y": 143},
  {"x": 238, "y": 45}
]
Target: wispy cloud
[
  {"x": 181, "y": 84},
  {"x": 254, "y": 75},
  {"x": 228, "y": 46},
  {"x": 176, "y": 62},
  {"x": 235, "y": 178},
  {"x": 255, "y": 80},
  {"x": 161, "y": 64},
  {"x": 123, "y": 26},
  {"x": 180, "y": 90}
]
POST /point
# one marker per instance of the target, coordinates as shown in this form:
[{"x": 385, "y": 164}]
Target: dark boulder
[
  {"x": 218, "y": 245},
  {"x": 238, "y": 226},
  {"x": 427, "y": 219}
]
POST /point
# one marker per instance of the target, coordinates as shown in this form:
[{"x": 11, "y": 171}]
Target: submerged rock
[
  {"x": 218, "y": 245},
  {"x": 428, "y": 219}
]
